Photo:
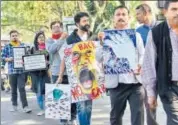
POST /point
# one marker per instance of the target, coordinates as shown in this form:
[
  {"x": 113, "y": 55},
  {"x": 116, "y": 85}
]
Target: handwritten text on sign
[
  {"x": 34, "y": 62},
  {"x": 18, "y": 53}
]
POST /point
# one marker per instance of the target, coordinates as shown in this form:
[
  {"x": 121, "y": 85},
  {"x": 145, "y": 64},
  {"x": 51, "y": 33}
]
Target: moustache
[
  {"x": 121, "y": 20},
  {"x": 176, "y": 16}
]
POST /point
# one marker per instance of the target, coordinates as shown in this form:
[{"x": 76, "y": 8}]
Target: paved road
[{"x": 100, "y": 115}]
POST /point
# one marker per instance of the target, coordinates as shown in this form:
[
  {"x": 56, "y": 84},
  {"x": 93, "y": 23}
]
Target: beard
[{"x": 85, "y": 27}]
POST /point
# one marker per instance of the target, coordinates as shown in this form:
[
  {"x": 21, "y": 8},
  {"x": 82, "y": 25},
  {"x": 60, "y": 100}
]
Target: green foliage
[{"x": 31, "y": 16}]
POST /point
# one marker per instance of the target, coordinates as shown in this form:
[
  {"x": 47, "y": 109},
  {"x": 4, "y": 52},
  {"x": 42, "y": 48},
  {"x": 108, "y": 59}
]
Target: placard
[
  {"x": 120, "y": 51},
  {"x": 34, "y": 62},
  {"x": 84, "y": 73},
  {"x": 18, "y": 53},
  {"x": 57, "y": 101}
]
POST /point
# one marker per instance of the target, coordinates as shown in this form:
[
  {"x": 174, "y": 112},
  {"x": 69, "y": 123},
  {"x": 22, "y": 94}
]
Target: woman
[{"x": 40, "y": 77}]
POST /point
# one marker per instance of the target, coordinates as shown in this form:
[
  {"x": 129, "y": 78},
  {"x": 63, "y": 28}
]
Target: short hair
[
  {"x": 144, "y": 7},
  {"x": 54, "y": 22},
  {"x": 79, "y": 15},
  {"x": 167, "y": 3},
  {"x": 121, "y": 7},
  {"x": 13, "y": 31}
]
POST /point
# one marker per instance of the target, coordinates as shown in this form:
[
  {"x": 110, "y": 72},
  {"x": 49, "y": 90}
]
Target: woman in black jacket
[{"x": 40, "y": 77}]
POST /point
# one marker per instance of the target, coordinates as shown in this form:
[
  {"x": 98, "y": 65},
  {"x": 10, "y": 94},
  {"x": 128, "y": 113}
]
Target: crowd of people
[{"x": 157, "y": 52}]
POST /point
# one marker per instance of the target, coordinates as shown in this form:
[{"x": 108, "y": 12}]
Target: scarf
[
  {"x": 15, "y": 44},
  {"x": 41, "y": 46},
  {"x": 56, "y": 36}
]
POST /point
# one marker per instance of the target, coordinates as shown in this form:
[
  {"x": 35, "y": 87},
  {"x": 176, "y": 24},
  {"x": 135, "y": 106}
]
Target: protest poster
[
  {"x": 69, "y": 24},
  {"x": 119, "y": 50},
  {"x": 34, "y": 62},
  {"x": 84, "y": 73},
  {"x": 18, "y": 52},
  {"x": 57, "y": 101}
]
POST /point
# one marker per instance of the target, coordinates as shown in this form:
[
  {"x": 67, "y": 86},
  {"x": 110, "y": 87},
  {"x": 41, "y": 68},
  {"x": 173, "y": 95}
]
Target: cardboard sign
[
  {"x": 18, "y": 52},
  {"x": 34, "y": 62},
  {"x": 84, "y": 73},
  {"x": 120, "y": 51},
  {"x": 57, "y": 101}
]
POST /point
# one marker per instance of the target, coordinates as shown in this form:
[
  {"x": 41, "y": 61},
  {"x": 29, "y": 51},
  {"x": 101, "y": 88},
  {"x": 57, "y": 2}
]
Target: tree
[{"x": 31, "y": 16}]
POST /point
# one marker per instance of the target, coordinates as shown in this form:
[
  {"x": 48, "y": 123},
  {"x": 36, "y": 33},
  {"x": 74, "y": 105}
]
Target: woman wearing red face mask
[{"x": 39, "y": 78}]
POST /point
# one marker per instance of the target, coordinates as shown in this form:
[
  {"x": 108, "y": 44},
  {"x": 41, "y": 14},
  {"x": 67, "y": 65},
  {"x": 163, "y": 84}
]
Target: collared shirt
[
  {"x": 149, "y": 77},
  {"x": 7, "y": 53}
]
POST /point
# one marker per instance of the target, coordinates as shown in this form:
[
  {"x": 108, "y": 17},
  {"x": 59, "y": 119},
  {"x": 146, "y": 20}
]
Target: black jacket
[
  {"x": 74, "y": 38},
  {"x": 161, "y": 38}
]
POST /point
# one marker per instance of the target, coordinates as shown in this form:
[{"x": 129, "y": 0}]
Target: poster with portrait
[
  {"x": 57, "y": 101},
  {"x": 18, "y": 52},
  {"x": 119, "y": 50},
  {"x": 84, "y": 73}
]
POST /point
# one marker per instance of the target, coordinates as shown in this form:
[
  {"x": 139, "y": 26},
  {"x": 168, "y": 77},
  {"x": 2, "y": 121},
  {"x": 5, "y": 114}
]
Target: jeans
[
  {"x": 40, "y": 97},
  {"x": 84, "y": 111}
]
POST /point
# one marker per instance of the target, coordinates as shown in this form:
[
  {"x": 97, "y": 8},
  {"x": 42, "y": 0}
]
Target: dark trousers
[
  {"x": 134, "y": 93},
  {"x": 150, "y": 113},
  {"x": 18, "y": 80},
  {"x": 170, "y": 104}
]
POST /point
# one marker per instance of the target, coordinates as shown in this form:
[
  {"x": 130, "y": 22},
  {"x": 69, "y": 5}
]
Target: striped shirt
[
  {"x": 7, "y": 52},
  {"x": 149, "y": 77}
]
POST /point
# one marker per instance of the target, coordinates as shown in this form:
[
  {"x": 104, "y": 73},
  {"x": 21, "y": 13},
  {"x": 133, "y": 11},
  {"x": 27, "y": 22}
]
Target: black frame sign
[
  {"x": 70, "y": 28},
  {"x": 18, "y": 53},
  {"x": 34, "y": 62}
]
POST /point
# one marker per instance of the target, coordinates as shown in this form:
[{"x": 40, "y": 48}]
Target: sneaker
[
  {"x": 26, "y": 110},
  {"x": 74, "y": 122},
  {"x": 13, "y": 109},
  {"x": 40, "y": 113}
]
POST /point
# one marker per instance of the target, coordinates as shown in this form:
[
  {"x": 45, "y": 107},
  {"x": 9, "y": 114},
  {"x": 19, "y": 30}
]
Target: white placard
[
  {"x": 61, "y": 108},
  {"x": 34, "y": 62},
  {"x": 18, "y": 53}
]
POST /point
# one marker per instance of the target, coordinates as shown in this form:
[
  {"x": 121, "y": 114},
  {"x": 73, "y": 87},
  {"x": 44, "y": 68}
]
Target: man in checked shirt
[
  {"x": 17, "y": 77},
  {"x": 160, "y": 65}
]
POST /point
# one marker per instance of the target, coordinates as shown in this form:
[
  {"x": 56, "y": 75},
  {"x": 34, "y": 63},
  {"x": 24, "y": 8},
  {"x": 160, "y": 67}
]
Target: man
[
  {"x": 125, "y": 87},
  {"x": 82, "y": 33},
  {"x": 16, "y": 76},
  {"x": 53, "y": 46},
  {"x": 159, "y": 72},
  {"x": 144, "y": 16}
]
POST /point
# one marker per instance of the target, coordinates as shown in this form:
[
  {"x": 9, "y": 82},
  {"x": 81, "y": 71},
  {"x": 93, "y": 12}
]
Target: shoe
[
  {"x": 13, "y": 109},
  {"x": 27, "y": 110},
  {"x": 40, "y": 113},
  {"x": 74, "y": 122}
]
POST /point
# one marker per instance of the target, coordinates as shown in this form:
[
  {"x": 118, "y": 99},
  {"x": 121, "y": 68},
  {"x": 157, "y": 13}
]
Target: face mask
[{"x": 85, "y": 28}]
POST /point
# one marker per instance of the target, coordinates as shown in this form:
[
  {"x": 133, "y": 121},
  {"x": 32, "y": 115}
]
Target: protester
[
  {"x": 144, "y": 16},
  {"x": 54, "y": 46},
  {"x": 159, "y": 72},
  {"x": 82, "y": 33},
  {"x": 17, "y": 77},
  {"x": 40, "y": 77},
  {"x": 124, "y": 87}
]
